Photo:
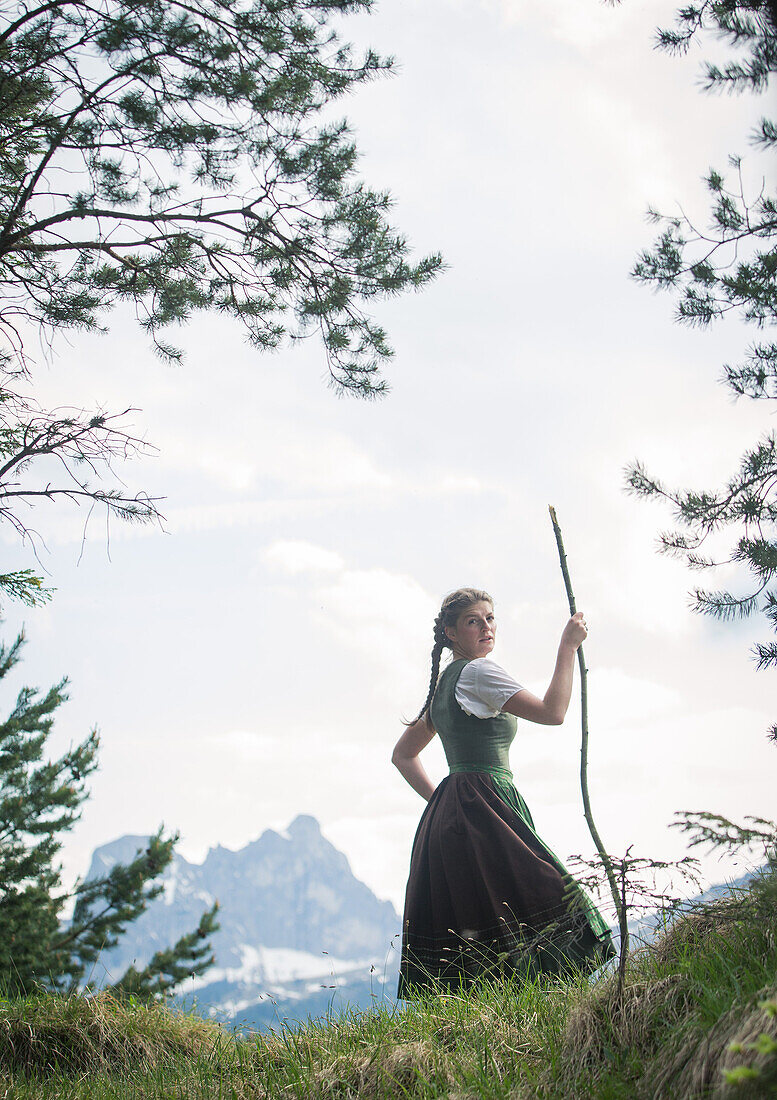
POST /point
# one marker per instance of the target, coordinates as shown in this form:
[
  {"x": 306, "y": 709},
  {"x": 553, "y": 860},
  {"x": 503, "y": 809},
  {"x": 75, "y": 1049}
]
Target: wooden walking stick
[{"x": 618, "y": 901}]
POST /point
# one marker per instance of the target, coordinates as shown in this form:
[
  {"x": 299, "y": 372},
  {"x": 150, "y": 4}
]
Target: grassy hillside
[{"x": 697, "y": 1018}]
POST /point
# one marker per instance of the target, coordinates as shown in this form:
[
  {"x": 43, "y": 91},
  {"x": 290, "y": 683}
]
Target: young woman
[{"x": 485, "y": 895}]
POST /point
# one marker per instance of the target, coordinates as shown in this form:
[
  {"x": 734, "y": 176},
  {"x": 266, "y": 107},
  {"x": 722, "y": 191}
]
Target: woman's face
[{"x": 474, "y": 634}]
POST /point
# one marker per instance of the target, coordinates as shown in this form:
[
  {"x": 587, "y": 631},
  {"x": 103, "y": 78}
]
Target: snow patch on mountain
[
  {"x": 278, "y": 966},
  {"x": 299, "y": 932}
]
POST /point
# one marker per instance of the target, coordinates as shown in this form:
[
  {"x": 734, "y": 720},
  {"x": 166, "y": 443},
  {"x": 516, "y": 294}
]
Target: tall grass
[{"x": 687, "y": 1024}]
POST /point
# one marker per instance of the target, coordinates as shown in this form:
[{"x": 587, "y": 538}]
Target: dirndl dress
[{"x": 486, "y": 897}]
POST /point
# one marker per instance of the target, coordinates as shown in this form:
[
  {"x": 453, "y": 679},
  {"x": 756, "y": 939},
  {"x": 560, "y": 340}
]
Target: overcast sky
[{"x": 254, "y": 660}]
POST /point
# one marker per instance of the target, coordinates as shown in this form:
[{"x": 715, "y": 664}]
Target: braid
[
  {"x": 452, "y": 606},
  {"x": 437, "y": 648}
]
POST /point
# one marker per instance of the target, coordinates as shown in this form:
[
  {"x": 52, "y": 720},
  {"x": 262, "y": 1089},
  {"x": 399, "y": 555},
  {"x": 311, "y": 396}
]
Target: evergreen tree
[
  {"x": 170, "y": 154},
  {"x": 174, "y": 155},
  {"x": 730, "y": 266},
  {"x": 40, "y": 800}
]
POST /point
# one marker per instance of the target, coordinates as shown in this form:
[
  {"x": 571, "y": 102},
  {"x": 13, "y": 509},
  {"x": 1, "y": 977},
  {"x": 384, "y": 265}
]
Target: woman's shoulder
[
  {"x": 483, "y": 687},
  {"x": 453, "y": 670},
  {"x": 483, "y": 667},
  {"x": 483, "y": 674},
  {"x": 485, "y": 663}
]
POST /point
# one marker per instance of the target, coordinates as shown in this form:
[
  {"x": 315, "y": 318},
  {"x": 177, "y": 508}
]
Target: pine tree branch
[{"x": 189, "y": 957}]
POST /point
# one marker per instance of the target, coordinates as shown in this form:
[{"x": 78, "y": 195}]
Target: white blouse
[{"x": 484, "y": 687}]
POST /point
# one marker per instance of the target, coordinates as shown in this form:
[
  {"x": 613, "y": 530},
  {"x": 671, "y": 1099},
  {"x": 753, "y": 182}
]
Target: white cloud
[
  {"x": 610, "y": 131},
  {"x": 294, "y": 556},
  {"x": 621, "y": 696},
  {"x": 377, "y": 612},
  {"x": 461, "y": 483},
  {"x": 225, "y": 515},
  {"x": 299, "y": 458},
  {"x": 577, "y": 24},
  {"x": 226, "y": 463},
  {"x": 373, "y": 611},
  {"x": 248, "y": 745}
]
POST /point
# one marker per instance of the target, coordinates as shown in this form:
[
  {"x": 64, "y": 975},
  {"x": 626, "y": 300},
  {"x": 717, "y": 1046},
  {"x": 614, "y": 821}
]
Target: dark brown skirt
[{"x": 487, "y": 897}]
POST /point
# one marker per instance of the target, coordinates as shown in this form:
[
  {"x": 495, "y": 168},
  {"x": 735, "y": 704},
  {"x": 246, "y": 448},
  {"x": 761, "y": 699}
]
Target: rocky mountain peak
[
  {"x": 304, "y": 827},
  {"x": 285, "y": 899}
]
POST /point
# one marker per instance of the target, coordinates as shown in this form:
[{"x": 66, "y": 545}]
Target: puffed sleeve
[{"x": 484, "y": 687}]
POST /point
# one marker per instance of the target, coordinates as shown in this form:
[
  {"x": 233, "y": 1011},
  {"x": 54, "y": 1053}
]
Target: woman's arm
[
  {"x": 552, "y": 708},
  {"x": 405, "y": 757}
]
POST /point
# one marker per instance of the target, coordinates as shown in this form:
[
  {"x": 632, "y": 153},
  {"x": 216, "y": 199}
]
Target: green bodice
[{"x": 471, "y": 744}]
